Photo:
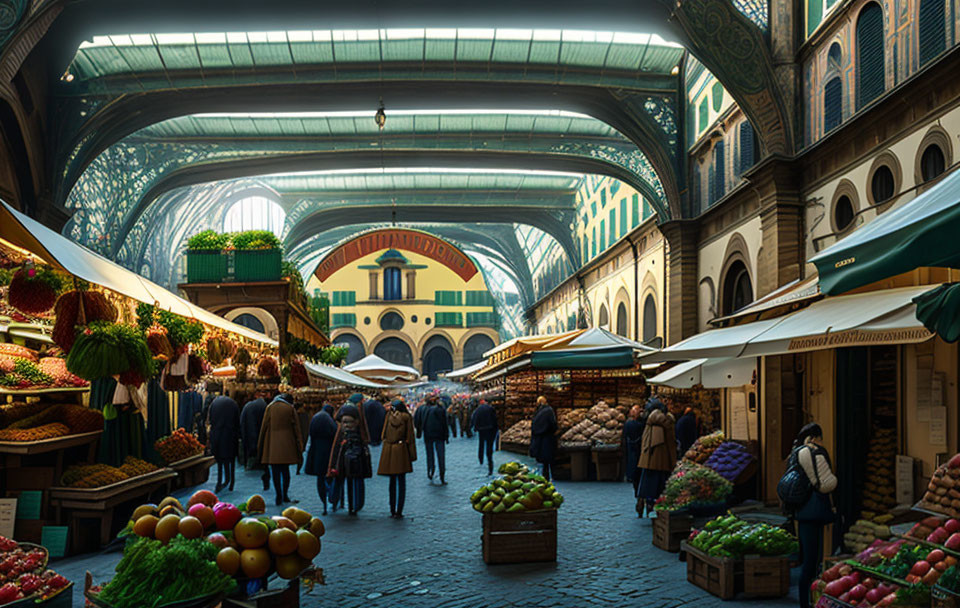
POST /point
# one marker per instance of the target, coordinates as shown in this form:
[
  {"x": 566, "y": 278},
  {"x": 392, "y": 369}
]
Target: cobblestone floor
[{"x": 432, "y": 558}]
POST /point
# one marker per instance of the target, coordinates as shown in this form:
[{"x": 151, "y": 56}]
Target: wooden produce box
[
  {"x": 942, "y": 598},
  {"x": 287, "y": 596},
  {"x": 766, "y": 577},
  {"x": 513, "y": 538},
  {"x": 716, "y": 575},
  {"x": 671, "y": 529}
]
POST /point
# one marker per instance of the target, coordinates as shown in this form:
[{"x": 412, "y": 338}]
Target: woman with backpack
[
  {"x": 350, "y": 456},
  {"x": 810, "y": 480}
]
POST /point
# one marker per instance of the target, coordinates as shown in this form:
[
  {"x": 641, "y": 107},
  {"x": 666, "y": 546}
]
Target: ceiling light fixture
[{"x": 381, "y": 117}]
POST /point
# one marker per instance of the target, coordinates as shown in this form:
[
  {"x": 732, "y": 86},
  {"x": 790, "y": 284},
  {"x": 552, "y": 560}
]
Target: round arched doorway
[
  {"x": 474, "y": 348},
  {"x": 354, "y": 344},
  {"x": 250, "y": 322},
  {"x": 737, "y": 288},
  {"x": 622, "y": 320},
  {"x": 437, "y": 357},
  {"x": 394, "y": 350}
]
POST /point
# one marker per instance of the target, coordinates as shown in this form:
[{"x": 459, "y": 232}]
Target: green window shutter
[
  {"x": 635, "y": 216},
  {"x": 832, "y": 104},
  {"x": 647, "y": 210},
  {"x": 623, "y": 217},
  {"x": 717, "y": 93},
  {"x": 345, "y": 319},
  {"x": 814, "y": 15},
  {"x": 613, "y": 226},
  {"x": 603, "y": 198},
  {"x": 572, "y": 322},
  {"x": 479, "y": 298},
  {"x": 747, "y": 147},
  {"x": 932, "y": 29},
  {"x": 482, "y": 319},
  {"x": 593, "y": 209},
  {"x": 870, "y": 60},
  {"x": 593, "y": 244},
  {"x": 448, "y": 298},
  {"x": 448, "y": 319},
  {"x": 344, "y": 298},
  {"x": 703, "y": 115},
  {"x": 603, "y": 235},
  {"x": 585, "y": 252}
]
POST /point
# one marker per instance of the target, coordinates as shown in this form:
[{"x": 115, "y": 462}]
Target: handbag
[{"x": 794, "y": 487}]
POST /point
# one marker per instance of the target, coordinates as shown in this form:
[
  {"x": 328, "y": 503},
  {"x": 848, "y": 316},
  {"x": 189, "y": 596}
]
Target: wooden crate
[
  {"x": 766, "y": 576},
  {"x": 671, "y": 529},
  {"x": 716, "y": 575},
  {"x": 513, "y": 538},
  {"x": 942, "y": 598}
]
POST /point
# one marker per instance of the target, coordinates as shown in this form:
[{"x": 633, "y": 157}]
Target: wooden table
[
  {"x": 192, "y": 471},
  {"x": 99, "y": 503},
  {"x": 12, "y": 452}
]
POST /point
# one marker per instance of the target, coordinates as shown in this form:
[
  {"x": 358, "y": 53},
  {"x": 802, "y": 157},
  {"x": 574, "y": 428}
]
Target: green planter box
[
  {"x": 256, "y": 265},
  {"x": 206, "y": 266}
]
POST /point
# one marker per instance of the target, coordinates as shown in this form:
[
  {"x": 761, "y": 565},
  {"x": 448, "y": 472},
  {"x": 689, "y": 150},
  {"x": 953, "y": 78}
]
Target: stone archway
[
  {"x": 354, "y": 342},
  {"x": 437, "y": 356}
]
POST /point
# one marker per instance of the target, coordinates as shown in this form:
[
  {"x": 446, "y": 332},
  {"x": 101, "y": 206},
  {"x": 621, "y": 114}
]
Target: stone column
[
  {"x": 682, "y": 262},
  {"x": 781, "y": 223}
]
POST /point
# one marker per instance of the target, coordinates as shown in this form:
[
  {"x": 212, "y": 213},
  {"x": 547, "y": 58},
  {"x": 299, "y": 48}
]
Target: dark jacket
[
  {"x": 322, "y": 431},
  {"x": 251, "y": 418},
  {"x": 484, "y": 418},
  {"x": 205, "y": 418},
  {"x": 281, "y": 441},
  {"x": 418, "y": 418},
  {"x": 188, "y": 406},
  {"x": 686, "y": 431},
  {"x": 375, "y": 414},
  {"x": 224, "y": 428},
  {"x": 543, "y": 434},
  {"x": 434, "y": 424},
  {"x": 632, "y": 438},
  {"x": 350, "y": 456}
]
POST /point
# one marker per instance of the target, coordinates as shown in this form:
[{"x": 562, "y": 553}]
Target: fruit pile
[
  {"x": 21, "y": 421},
  {"x": 99, "y": 475},
  {"x": 602, "y": 424},
  {"x": 518, "y": 433},
  {"x": 517, "y": 490},
  {"x": 730, "y": 536},
  {"x": 177, "y": 446},
  {"x": 856, "y": 588},
  {"x": 879, "y": 492},
  {"x": 703, "y": 448},
  {"x": 56, "y": 368},
  {"x": 729, "y": 460},
  {"x": 693, "y": 485},
  {"x": 23, "y": 573},
  {"x": 938, "y": 531},
  {"x": 249, "y": 546},
  {"x": 863, "y": 533},
  {"x": 943, "y": 491},
  {"x": 21, "y": 369},
  {"x": 569, "y": 418}
]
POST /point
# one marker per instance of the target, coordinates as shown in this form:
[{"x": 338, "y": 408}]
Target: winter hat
[
  {"x": 285, "y": 397},
  {"x": 356, "y": 398}
]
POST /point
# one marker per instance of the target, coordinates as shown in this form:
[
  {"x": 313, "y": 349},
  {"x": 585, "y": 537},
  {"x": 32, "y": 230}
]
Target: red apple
[
  {"x": 218, "y": 540},
  {"x": 954, "y": 463},
  {"x": 953, "y": 543},
  {"x": 226, "y": 515}
]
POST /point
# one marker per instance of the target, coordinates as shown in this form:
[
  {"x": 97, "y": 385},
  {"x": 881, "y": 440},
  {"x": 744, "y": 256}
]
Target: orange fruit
[
  {"x": 283, "y": 541},
  {"x": 190, "y": 527},
  {"x": 167, "y": 528},
  {"x": 203, "y": 497},
  {"x": 250, "y": 533},
  {"x": 171, "y": 510},
  {"x": 145, "y": 525},
  {"x": 228, "y": 560},
  {"x": 289, "y": 566},
  {"x": 284, "y": 522},
  {"x": 308, "y": 545},
  {"x": 255, "y": 562},
  {"x": 204, "y": 514},
  {"x": 170, "y": 500},
  {"x": 145, "y": 509},
  {"x": 256, "y": 504},
  {"x": 300, "y": 517},
  {"x": 316, "y": 527}
]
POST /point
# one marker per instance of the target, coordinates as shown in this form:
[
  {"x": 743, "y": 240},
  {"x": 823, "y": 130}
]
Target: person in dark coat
[
  {"x": 251, "y": 419},
  {"x": 658, "y": 454},
  {"x": 323, "y": 428},
  {"x": 189, "y": 404},
  {"x": 375, "y": 414},
  {"x": 632, "y": 438},
  {"x": 204, "y": 420},
  {"x": 398, "y": 454},
  {"x": 224, "y": 437},
  {"x": 418, "y": 415},
  {"x": 451, "y": 412},
  {"x": 484, "y": 421},
  {"x": 436, "y": 435},
  {"x": 350, "y": 457},
  {"x": 686, "y": 431},
  {"x": 543, "y": 435}
]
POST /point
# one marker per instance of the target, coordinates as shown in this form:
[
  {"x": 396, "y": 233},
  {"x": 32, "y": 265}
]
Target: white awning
[
  {"x": 718, "y": 343},
  {"x": 374, "y": 365},
  {"x": 463, "y": 372},
  {"x": 339, "y": 375},
  {"x": 29, "y": 234},
  {"x": 709, "y": 373}
]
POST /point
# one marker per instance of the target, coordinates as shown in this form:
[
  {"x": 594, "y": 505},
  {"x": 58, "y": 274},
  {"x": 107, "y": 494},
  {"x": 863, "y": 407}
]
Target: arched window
[
  {"x": 870, "y": 51},
  {"x": 649, "y": 318},
  {"x": 354, "y": 345},
  {"x": 882, "y": 184},
  {"x": 719, "y": 173},
  {"x": 622, "y": 319},
  {"x": 748, "y": 147},
  {"x": 474, "y": 348},
  {"x": 391, "y": 283},
  {"x": 832, "y": 104},
  {"x": 391, "y": 321},
  {"x": 932, "y": 162},
  {"x": 604, "y": 319},
  {"x": 737, "y": 288},
  {"x": 249, "y": 321},
  {"x": 394, "y": 350},
  {"x": 931, "y": 29},
  {"x": 843, "y": 213},
  {"x": 255, "y": 213}
]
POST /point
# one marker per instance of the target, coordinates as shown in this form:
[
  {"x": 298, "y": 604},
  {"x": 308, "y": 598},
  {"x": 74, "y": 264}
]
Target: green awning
[
  {"x": 939, "y": 311},
  {"x": 922, "y": 232},
  {"x": 608, "y": 358}
]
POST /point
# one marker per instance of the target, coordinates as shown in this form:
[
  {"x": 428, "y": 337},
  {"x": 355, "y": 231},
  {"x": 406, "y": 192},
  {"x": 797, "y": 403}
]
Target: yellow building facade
[{"x": 408, "y": 297}]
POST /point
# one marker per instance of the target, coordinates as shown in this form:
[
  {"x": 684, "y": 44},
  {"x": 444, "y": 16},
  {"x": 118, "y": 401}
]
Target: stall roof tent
[{"x": 372, "y": 365}]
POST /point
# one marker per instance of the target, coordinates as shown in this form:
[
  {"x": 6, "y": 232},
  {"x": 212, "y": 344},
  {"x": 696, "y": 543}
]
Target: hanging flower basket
[{"x": 33, "y": 289}]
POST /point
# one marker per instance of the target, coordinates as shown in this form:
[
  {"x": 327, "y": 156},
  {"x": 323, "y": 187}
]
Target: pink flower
[{"x": 32, "y": 272}]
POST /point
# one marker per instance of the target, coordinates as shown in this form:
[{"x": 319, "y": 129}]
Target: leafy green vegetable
[
  {"x": 105, "y": 349},
  {"x": 208, "y": 240},
  {"x": 255, "y": 239},
  {"x": 730, "y": 536}
]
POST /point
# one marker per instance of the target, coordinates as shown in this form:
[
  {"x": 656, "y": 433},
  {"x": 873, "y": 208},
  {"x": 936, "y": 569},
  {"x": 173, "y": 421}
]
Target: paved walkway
[{"x": 432, "y": 558}]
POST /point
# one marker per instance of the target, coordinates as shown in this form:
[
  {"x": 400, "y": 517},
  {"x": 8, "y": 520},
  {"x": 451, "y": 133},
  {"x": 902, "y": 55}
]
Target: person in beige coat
[
  {"x": 398, "y": 454},
  {"x": 281, "y": 443},
  {"x": 658, "y": 454}
]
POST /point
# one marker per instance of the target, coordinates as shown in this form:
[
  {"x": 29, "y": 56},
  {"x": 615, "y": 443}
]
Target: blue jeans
[
  {"x": 811, "y": 546},
  {"x": 487, "y": 439},
  {"x": 281, "y": 481},
  {"x": 355, "y": 493},
  {"x": 440, "y": 446},
  {"x": 398, "y": 493}
]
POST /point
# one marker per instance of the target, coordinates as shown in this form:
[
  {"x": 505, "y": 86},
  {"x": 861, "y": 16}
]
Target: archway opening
[
  {"x": 737, "y": 288},
  {"x": 474, "y": 348},
  {"x": 355, "y": 346},
  {"x": 603, "y": 319},
  {"x": 249, "y": 321},
  {"x": 394, "y": 350},
  {"x": 437, "y": 357},
  {"x": 622, "y": 319},
  {"x": 649, "y": 319}
]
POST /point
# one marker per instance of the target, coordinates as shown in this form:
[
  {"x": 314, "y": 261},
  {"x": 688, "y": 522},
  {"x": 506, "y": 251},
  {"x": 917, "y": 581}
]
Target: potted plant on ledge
[
  {"x": 257, "y": 256},
  {"x": 206, "y": 262}
]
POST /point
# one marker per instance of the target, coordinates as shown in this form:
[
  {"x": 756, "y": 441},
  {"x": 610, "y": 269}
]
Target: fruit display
[
  {"x": 939, "y": 531},
  {"x": 856, "y": 588},
  {"x": 18, "y": 352},
  {"x": 96, "y": 307},
  {"x": 602, "y": 424},
  {"x": 703, "y": 447},
  {"x": 518, "y": 489},
  {"x": 943, "y": 491},
  {"x": 56, "y": 368},
  {"x": 730, "y": 536},
  {"x": 693, "y": 485},
  {"x": 705, "y": 403},
  {"x": 268, "y": 368},
  {"x": 37, "y": 421},
  {"x": 99, "y": 475},
  {"x": 20, "y": 374},
  {"x": 518, "y": 433},
  {"x": 177, "y": 446},
  {"x": 729, "y": 460},
  {"x": 863, "y": 533},
  {"x": 38, "y": 433},
  {"x": 567, "y": 419},
  {"x": 105, "y": 349},
  {"x": 24, "y": 573},
  {"x": 879, "y": 492},
  {"x": 34, "y": 288},
  {"x": 18, "y": 410}
]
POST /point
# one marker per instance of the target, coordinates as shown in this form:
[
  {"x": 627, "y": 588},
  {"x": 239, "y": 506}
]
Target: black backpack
[{"x": 794, "y": 487}]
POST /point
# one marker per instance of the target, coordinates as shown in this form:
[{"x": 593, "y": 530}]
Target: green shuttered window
[
  {"x": 870, "y": 61},
  {"x": 482, "y": 319},
  {"x": 448, "y": 319},
  {"x": 932, "y": 29},
  {"x": 344, "y": 298},
  {"x": 343, "y": 319},
  {"x": 479, "y": 298},
  {"x": 448, "y": 298}
]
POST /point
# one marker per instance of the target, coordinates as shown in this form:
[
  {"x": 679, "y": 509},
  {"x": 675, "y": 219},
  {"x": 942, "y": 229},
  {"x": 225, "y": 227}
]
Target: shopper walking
[
  {"x": 543, "y": 435},
  {"x": 224, "y": 436},
  {"x": 374, "y": 413},
  {"x": 398, "y": 454},
  {"x": 251, "y": 419},
  {"x": 436, "y": 436},
  {"x": 281, "y": 443},
  {"x": 451, "y": 412},
  {"x": 817, "y": 511},
  {"x": 466, "y": 410},
  {"x": 189, "y": 403},
  {"x": 323, "y": 428},
  {"x": 686, "y": 431},
  {"x": 350, "y": 456},
  {"x": 484, "y": 421},
  {"x": 632, "y": 438},
  {"x": 658, "y": 454}
]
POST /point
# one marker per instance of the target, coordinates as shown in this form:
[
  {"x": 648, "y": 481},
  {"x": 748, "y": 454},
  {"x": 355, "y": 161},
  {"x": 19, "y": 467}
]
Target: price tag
[
  {"x": 28, "y": 504},
  {"x": 8, "y": 516},
  {"x": 54, "y": 538}
]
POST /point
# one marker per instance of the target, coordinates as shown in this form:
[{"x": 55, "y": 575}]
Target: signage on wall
[
  {"x": 860, "y": 337},
  {"x": 397, "y": 238}
]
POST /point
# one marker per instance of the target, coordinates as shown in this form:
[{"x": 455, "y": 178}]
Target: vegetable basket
[
  {"x": 92, "y": 596},
  {"x": 34, "y": 600}
]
